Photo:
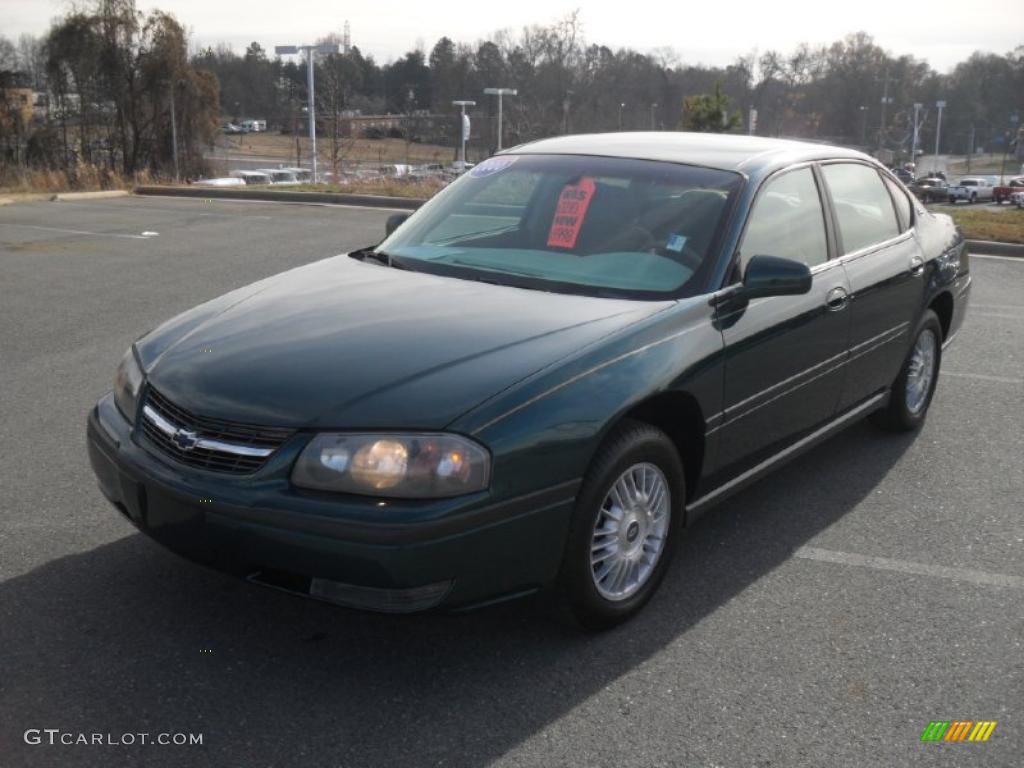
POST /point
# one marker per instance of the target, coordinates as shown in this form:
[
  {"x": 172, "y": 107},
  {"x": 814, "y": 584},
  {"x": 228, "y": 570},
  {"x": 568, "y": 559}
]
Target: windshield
[{"x": 603, "y": 226}]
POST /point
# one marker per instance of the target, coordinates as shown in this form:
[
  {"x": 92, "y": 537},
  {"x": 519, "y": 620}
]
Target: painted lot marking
[
  {"x": 75, "y": 231},
  {"x": 983, "y": 377},
  {"x": 985, "y": 578},
  {"x": 999, "y": 315},
  {"x": 1017, "y": 259}
]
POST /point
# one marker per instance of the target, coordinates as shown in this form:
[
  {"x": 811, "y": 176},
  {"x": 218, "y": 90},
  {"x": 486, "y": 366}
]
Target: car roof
[{"x": 728, "y": 152}]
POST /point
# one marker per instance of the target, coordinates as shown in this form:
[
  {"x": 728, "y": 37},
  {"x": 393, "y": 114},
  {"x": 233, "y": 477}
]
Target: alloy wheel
[
  {"x": 921, "y": 371},
  {"x": 630, "y": 531}
]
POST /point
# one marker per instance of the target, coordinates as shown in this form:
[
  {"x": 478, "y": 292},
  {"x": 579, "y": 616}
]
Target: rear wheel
[
  {"x": 912, "y": 392},
  {"x": 624, "y": 526}
]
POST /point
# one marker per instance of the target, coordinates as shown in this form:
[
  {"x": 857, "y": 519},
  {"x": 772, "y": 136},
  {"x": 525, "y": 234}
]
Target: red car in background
[{"x": 1002, "y": 193}]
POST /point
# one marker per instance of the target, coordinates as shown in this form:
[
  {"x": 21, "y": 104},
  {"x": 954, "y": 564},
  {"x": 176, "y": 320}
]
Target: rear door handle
[
  {"x": 837, "y": 299},
  {"x": 916, "y": 265}
]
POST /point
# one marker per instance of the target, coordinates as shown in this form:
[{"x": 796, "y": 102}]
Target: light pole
[
  {"x": 174, "y": 138},
  {"x": 913, "y": 141},
  {"x": 940, "y": 105},
  {"x": 499, "y": 92},
  {"x": 464, "y": 125},
  {"x": 621, "y": 107},
  {"x": 863, "y": 125},
  {"x": 654, "y": 106},
  {"x": 282, "y": 50}
]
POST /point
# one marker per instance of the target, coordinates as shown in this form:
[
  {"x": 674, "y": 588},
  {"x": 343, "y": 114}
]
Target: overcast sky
[{"x": 941, "y": 31}]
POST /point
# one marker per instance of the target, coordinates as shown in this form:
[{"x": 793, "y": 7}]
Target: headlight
[
  {"x": 398, "y": 466},
  {"x": 127, "y": 384}
]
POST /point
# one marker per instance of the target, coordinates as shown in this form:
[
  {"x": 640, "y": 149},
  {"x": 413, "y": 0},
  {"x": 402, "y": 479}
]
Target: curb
[
  {"x": 995, "y": 249},
  {"x": 69, "y": 196},
  {"x": 329, "y": 198}
]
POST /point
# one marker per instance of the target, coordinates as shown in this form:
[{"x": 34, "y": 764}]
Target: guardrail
[{"x": 329, "y": 198}]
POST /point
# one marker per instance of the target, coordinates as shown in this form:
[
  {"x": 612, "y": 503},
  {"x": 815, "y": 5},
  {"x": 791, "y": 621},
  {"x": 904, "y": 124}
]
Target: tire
[
  {"x": 973, "y": 200},
  {"x": 952, "y": 201},
  {"x": 630, "y": 446},
  {"x": 907, "y": 408}
]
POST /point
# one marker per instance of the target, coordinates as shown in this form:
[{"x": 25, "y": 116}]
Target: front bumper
[{"x": 367, "y": 553}]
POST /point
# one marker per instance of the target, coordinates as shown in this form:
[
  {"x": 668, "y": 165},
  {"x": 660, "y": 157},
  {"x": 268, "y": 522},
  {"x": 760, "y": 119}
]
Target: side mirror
[
  {"x": 774, "y": 276},
  {"x": 394, "y": 222}
]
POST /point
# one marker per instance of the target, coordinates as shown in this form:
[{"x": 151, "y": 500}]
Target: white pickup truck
[{"x": 972, "y": 189}]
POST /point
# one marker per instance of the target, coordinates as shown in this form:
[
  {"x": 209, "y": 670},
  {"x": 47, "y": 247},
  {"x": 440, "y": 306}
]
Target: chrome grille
[{"x": 205, "y": 443}]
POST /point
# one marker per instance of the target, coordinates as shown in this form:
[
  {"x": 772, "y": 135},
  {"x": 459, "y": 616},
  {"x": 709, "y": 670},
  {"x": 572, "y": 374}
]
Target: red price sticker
[{"x": 570, "y": 213}]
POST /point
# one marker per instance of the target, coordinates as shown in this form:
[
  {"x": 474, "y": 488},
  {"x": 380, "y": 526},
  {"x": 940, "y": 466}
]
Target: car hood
[{"x": 347, "y": 344}]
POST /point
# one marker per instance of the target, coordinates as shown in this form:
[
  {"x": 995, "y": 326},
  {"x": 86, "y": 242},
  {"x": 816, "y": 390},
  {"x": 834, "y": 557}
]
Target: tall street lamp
[
  {"x": 621, "y": 107},
  {"x": 499, "y": 92},
  {"x": 464, "y": 127},
  {"x": 654, "y": 106},
  {"x": 913, "y": 143},
  {"x": 309, "y": 50},
  {"x": 940, "y": 105},
  {"x": 863, "y": 125}
]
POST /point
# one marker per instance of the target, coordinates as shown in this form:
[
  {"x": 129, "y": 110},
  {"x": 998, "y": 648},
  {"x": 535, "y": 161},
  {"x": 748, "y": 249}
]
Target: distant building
[{"x": 17, "y": 98}]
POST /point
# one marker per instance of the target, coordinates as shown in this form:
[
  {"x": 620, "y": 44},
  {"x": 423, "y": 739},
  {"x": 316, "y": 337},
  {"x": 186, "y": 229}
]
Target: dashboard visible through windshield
[{"x": 605, "y": 226}]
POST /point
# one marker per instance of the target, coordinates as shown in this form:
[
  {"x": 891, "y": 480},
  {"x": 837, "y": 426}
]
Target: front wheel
[
  {"x": 624, "y": 527},
  {"x": 912, "y": 392}
]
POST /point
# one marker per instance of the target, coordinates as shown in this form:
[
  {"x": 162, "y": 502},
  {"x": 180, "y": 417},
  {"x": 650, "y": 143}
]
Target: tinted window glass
[
  {"x": 902, "y": 203},
  {"x": 863, "y": 206},
  {"x": 787, "y": 221},
  {"x": 598, "y": 225}
]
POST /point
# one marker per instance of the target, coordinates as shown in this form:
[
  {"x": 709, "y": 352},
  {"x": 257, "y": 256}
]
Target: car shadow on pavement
[{"x": 127, "y": 638}]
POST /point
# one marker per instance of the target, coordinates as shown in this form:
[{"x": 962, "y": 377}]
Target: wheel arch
[
  {"x": 679, "y": 415},
  {"x": 942, "y": 305}
]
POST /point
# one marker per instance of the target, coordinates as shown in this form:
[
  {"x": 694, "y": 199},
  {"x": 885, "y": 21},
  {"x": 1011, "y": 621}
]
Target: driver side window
[{"x": 787, "y": 221}]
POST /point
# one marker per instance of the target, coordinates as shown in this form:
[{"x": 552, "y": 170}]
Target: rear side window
[
  {"x": 862, "y": 204},
  {"x": 787, "y": 221},
  {"x": 902, "y": 203}
]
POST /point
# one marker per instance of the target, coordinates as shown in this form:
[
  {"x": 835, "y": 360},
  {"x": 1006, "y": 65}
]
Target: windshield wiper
[{"x": 380, "y": 257}]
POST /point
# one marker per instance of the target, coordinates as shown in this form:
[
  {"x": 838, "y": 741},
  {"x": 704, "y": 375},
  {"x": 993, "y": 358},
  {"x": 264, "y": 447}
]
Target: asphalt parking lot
[{"x": 821, "y": 618}]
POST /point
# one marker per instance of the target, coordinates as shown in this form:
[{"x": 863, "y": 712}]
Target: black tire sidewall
[{"x": 630, "y": 443}]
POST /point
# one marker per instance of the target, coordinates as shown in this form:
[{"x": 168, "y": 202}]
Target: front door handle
[
  {"x": 916, "y": 266},
  {"x": 837, "y": 299}
]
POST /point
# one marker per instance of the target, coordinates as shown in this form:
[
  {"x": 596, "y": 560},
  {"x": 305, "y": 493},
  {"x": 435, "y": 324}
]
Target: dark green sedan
[{"x": 538, "y": 379}]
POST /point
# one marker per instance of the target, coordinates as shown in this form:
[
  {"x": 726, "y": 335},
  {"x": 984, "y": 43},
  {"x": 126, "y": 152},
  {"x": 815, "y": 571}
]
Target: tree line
[{"x": 114, "y": 75}]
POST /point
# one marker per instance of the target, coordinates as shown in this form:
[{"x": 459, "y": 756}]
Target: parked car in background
[
  {"x": 231, "y": 128},
  {"x": 1001, "y": 193},
  {"x": 280, "y": 176},
  {"x": 930, "y": 189},
  {"x": 972, "y": 189},
  {"x": 903, "y": 175},
  {"x": 539, "y": 378},
  {"x": 1017, "y": 198},
  {"x": 303, "y": 175},
  {"x": 252, "y": 177},
  {"x": 223, "y": 181}
]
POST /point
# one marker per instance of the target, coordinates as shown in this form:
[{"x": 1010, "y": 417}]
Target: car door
[
  {"x": 783, "y": 354},
  {"x": 885, "y": 266}
]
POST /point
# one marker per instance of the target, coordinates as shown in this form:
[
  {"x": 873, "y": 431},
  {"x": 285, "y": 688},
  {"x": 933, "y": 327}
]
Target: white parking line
[
  {"x": 998, "y": 306},
  {"x": 74, "y": 231},
  {"x": 1018, "y": 259},
  {"x": 983, "y": 377},
  {"x": 906, "y": 566},
  {"x": 999, "y": 315}
]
